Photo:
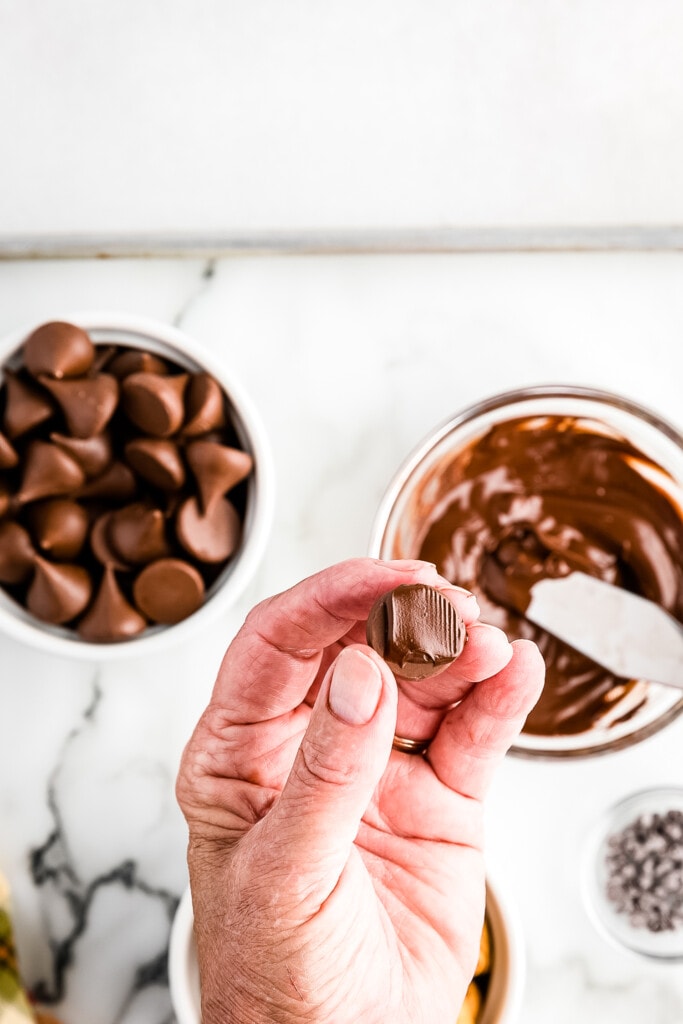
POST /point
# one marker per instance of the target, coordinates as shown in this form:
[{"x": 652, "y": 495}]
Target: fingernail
[
  {"x": 355, "y": 688},
  {"x": 406, "y": 564},
  {"x": 467, "y": 594}
]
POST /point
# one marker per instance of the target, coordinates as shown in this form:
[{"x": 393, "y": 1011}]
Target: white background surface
[
  {"x": 143, "y": 115},
  {"x": 351, "y": 362}
]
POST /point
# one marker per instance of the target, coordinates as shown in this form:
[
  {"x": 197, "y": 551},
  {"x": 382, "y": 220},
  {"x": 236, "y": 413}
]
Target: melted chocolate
[{"x": 542, "y": 497}]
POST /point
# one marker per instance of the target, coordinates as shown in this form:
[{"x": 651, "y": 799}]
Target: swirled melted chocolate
[{"x": 538, "y": 497}]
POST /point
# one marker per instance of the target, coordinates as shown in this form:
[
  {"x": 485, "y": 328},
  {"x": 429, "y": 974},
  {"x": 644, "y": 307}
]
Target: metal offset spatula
[{"x": 629, "y": 635}]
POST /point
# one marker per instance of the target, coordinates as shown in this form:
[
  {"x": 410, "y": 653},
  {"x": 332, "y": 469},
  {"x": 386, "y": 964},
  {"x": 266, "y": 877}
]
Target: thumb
[{"x": 337, "y": 768}]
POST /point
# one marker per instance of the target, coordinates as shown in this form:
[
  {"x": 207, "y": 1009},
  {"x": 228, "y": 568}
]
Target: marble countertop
[{"x": 351, "y": 361}]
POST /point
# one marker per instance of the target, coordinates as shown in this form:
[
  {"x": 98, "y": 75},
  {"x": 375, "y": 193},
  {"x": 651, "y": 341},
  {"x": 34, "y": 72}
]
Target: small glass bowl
[
  {"x": 666, "y": 945},
  {"x": 423, "y": 482}
]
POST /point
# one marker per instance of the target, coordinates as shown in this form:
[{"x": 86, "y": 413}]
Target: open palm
[{"x": 334, "y": 879}]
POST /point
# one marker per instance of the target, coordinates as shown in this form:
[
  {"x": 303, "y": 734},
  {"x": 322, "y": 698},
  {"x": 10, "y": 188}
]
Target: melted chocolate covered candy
[
  {"x": 417, "y": 631},
  {"x": 541, "y": 497}
]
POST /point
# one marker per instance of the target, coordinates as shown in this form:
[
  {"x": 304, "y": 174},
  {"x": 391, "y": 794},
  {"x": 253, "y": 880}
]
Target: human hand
[{"x": 334, "y": 879}]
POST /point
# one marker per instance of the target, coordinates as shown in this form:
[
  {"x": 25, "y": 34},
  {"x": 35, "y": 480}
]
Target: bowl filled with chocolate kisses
[{"x": 136, "y": 486}]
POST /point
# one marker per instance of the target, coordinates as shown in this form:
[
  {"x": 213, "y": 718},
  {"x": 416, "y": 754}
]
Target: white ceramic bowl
[
  {"x": 164, "y": 340},
  {"x": 503, "y": 999}
]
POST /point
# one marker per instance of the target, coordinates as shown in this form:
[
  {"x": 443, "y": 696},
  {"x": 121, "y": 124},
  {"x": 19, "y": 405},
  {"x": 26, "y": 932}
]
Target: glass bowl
[
  {"x": 635, "y": 853},
  {"x": 423, "y": 488},
  {"x": 107, "y": 328}
]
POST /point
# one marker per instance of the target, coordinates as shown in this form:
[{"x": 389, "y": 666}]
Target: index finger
[
  {"x": 475, "y": 735},
  {"x": 270, "y": 665}
]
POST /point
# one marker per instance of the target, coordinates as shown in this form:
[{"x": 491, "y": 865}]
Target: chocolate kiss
[
  {"x": 16, "y": 553},
  {"x": 48, "y": 471},
  {"x": 137, "y": 533},
  {"x": 203, "y": 405},
  {"x": 8, "y": 456},
  {"x": 58, "y": 592},
  {"x": 59, "y": 526},
  {"x": 154, "y": 403},
  {"x": 210, "y": 537},
  {"x": 169, "y": 590},
  {"x": 26, "y": 407},
  {"x": 110, "y": 617},
  {"x": 58, "y": 349},
  {"x": 100, "y": 546},
  {"x": 88, "y": 403},
  {"x": 136, "y": 360},
  {"x": 117, "y": 482},
  {"x": 103, "y": 354},
  {"x": 93, "y": 454},
  {"x": 158, "y": 461},
  {"x": 217, "y": 469}
]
